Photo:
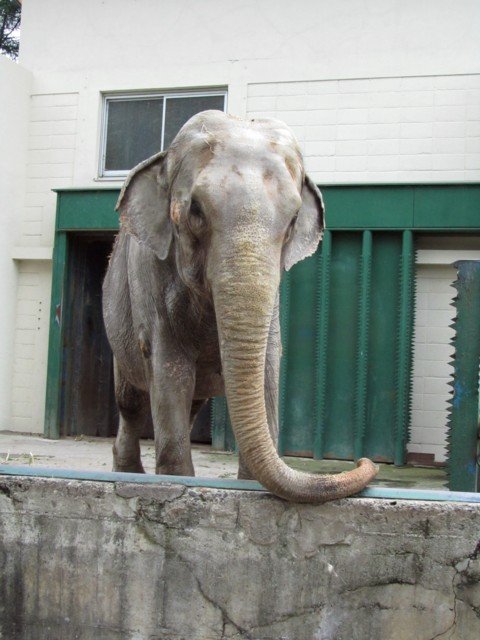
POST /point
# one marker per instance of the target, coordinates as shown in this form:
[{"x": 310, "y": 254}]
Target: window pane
[
  {"x": 179, "y": 110},
  {"x": 134, "y": 132}
]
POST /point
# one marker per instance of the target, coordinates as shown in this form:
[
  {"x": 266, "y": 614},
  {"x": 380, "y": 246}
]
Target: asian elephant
[{"x": 191, "y": 295}]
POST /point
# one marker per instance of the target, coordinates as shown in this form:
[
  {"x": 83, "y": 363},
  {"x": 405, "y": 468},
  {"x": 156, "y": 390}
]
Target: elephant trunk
[{"x": 244, "y": 306}]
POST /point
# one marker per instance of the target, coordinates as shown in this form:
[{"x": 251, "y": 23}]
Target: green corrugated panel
[
  {"x": 379, "y": 441},
  {"x": 364, "y": 300},
  {"x": 221, "y": 427},
  {"x": 404, "y": 352},
  {"x": 347, "y": 317},
  {"x": 463, "y": 436},
  {"x": 283, "y": 382},
  {"x": 324, "y": 256},
  {"x": 297, "y": 431},
  {"x": 342, "y": 344}
]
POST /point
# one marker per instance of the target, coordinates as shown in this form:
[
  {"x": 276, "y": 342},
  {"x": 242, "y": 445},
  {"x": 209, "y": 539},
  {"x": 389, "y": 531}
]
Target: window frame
[{"x": 104, "y": 174}]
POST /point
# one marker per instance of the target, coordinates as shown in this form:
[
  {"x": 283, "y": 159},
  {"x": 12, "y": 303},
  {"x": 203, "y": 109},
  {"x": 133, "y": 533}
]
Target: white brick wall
[
  {"x": 50, "y": 165},
  {"x": 418, "y": 129},
  {"x": 51, "y": 154},
  {"x": 31, "y": 346},
  {"x": 432, "y": 352}
]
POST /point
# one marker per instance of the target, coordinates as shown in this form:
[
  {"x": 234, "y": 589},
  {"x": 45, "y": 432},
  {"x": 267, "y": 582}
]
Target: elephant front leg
[
  {"x": 134, "y": 408},
  {"x": 171, "y": 395}
]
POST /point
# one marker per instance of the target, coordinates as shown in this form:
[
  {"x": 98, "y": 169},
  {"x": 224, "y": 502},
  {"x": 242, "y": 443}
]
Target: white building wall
[
  {"x": 14, "y": 97},
  {"x": 376, "y": 91},
  {"x": 403, "y": 129}
]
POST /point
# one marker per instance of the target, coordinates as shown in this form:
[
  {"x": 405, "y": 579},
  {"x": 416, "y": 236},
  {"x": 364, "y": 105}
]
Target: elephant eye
[
  {"x": 196, "y": 219},
  {"x": 196, "y": 210}
]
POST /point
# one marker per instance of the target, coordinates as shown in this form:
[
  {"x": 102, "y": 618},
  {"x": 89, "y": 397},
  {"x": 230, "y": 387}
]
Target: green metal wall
[
  {"x": 346, "y": 318},
  {"x": 347, "y": 315}
]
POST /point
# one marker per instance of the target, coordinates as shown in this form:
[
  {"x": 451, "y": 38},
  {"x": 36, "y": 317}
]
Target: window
[{"x": 137, "y": 126}]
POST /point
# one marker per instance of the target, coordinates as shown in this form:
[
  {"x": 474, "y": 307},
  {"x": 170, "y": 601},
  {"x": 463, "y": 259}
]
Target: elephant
[{"x": 191, "y": 296}]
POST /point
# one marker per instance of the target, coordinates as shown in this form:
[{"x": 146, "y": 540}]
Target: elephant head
[{"x": 230, "y": 203}]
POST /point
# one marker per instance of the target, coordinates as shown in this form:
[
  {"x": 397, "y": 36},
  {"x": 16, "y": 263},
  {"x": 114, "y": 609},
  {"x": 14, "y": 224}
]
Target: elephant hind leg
[{"x": 134, "y": 409}]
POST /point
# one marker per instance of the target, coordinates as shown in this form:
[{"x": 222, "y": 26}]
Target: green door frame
[
  {"x": 405, "y": 209},
  {"x": 77, "y": 210}
]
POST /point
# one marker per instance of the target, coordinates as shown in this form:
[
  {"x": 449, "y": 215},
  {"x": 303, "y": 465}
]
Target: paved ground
[{"x": 96, "y": 454}]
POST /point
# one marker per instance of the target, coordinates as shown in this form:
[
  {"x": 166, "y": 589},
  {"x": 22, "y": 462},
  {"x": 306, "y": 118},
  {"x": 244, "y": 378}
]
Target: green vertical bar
[
  {"x": 463, "y": 436},
  {"x": 221, "y": 427},
  {"x": 284, "y": 332},
  {"x": 362, "y": 345},
  {"x": 321, "y": 341},
  {"x": 404, "y": 348},
  {"x": 55, "y": 341}
]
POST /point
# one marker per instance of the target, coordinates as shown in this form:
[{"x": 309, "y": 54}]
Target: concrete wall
[
  {"x": 379, "y": 91},
  {"x": 14, "y": 97},
  {"x": 129, "y": 562}
]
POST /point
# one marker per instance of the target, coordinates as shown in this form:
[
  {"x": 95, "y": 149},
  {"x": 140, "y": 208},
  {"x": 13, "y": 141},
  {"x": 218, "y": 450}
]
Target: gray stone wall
[{"x": 104, "y": 561}]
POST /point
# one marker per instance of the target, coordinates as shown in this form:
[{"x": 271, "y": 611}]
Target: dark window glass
[
  {"x": 179, "y": 110},
  {"x": 134, "y": 126},
  {"x": 134, "y": 132}
]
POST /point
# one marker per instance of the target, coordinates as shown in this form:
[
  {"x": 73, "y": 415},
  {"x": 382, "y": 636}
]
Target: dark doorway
[{"x": 88, "y": 401}]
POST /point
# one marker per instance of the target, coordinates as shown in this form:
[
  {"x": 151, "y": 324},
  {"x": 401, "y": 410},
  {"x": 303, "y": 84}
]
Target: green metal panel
[
  {"x": 447, "y": 207},
  {"x": 404, "y": 351},
  {"x": 87, "y": 210},
  {"x": 347, "y": 318},
  {"x": 463, "y": 437},
  {"x": 348, "y": 396},
  {"x": 221, "y": 427},
  {"x": 346, "y": 315},
  {"x": 341, "y": 351},
  {"x": 55, "y": 342},
  {"x": 396, "y": 207},
  {"x": 360, "y": 207},
  {"x": 322, "y": 302},
  {"x": 285, "y": 331},
  {"x": 361, "y": 390},
  {"x": 382, "y": 365}
]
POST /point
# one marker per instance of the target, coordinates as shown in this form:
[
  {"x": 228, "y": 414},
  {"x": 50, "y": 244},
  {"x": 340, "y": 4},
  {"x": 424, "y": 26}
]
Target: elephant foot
[
  {"x": 126, "y": 466},
  {"x": 129, "y": 468}
]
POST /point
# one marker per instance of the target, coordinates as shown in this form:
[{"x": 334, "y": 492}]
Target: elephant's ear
[
  {"x": 308, "y": 228},
  {"x": 144, "y": 204}
]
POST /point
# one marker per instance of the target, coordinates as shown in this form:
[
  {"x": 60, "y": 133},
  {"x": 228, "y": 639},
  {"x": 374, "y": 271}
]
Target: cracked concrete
[{"x": 104, "y": 561}]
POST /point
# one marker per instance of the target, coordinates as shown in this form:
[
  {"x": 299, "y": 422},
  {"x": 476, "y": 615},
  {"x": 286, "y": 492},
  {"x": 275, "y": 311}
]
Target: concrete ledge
[{"x": 105, "y": 561}]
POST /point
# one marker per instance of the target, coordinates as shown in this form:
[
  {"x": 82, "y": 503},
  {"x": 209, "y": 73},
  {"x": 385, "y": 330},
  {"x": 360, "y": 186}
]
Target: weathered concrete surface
[{"x": 99, "y": 561}]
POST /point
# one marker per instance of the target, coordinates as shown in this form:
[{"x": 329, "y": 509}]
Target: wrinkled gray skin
[{"x": 191, "y": 295}]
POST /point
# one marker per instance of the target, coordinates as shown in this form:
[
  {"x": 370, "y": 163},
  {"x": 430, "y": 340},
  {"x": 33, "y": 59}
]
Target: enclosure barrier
[{"x": 464, "y": 437}]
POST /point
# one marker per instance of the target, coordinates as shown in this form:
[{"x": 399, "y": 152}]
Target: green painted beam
[
  {"x": 55, "y": 341},
  {"x": 87, "y": 210},
  {"x": 447, "y": 207},
  {"x": 389, "y": 207},
  {"x": 442, "y": 207}
]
